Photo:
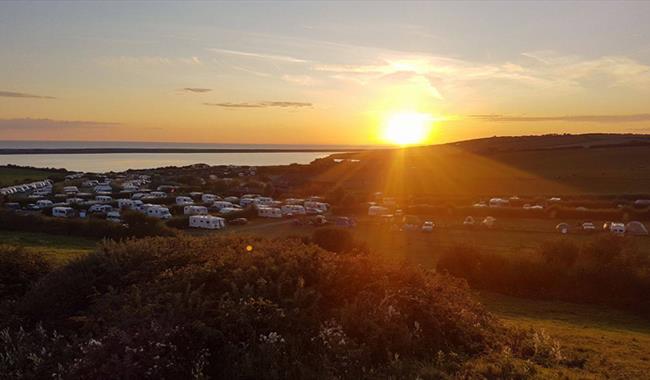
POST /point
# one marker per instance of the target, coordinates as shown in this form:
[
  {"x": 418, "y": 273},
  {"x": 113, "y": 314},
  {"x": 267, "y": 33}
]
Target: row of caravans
[{"x": 38, "y": 186}]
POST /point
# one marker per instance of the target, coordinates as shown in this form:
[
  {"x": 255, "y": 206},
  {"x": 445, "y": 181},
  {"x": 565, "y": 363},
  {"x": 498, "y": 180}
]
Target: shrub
[
  {"x": 190, "y": 307},
  {"x": 19, "y": 270},
  {"x": 608, "y": 270},
  {"x": 333, "y": 239}
]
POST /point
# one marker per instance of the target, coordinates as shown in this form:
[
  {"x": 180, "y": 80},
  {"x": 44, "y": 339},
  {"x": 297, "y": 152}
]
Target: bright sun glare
[{"x": 407, "y": 128}]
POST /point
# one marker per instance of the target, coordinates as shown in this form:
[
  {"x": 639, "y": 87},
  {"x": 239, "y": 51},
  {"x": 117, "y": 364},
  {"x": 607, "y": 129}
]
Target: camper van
[
  {"x": 293, "y": 210},
  {"x": 207, "y": 221},
  {"x": 269, "y": 212},
  {"x": 159, "y": 212},
  {"x": 63, "y": 212},
  {"x": 195, "y": 210},
  {"x": 183, "y": 200}
]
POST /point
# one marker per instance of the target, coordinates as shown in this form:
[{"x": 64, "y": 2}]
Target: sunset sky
[{"x": 320, "y": 73}]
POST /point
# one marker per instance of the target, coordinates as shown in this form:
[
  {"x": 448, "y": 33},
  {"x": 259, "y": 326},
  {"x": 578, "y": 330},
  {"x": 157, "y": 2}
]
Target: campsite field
[
  {"x": 57, "y": 249},
  {"x": 511, "y": 236},
  {"x": 11, "y": 176}
]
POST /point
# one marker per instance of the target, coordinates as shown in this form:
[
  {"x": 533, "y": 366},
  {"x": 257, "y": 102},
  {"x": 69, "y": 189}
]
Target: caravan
[
  {"x": 207, "y": 221},
  {"x": 183, "y": 200},
  {"x": 104, "y": 198},
  {"x": 209, "y": 198},
  {"x": 63, "y": 212},
  {"x": 195, "y": 210},
  {"x": 159, "y": 212},
  {"x": 293, "y": 210},
  {"x": 269, "y": 212}
]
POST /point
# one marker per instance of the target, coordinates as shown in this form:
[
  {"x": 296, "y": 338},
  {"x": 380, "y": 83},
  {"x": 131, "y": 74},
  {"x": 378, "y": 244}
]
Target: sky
[{"x": 320, "y": 72}]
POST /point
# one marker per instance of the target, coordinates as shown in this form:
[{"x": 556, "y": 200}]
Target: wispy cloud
[
  {"x": 273, "y": 57},
  {"x": 148, "y": 61},
  {"x": 50, "y": 124},
  {"x": 198, "y": 90},
  {"x": 261, "y": 105},
  {"x": 630, "y": 118},
  {"x": 11, "y": 94}
]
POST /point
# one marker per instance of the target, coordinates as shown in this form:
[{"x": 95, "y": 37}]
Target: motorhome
[
  {"x": 183, "y": 200},
  {"x": 293, "y": 210},
  {"x": 195, "y": 210},
  {"x": 63, "y": 212},
  {"x": 269, "y": 212},
  {"x": 207, "y": 221}
]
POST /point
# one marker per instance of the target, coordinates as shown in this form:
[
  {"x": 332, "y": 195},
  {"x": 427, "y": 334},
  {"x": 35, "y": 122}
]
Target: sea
[{"x": 105, "y": 162}]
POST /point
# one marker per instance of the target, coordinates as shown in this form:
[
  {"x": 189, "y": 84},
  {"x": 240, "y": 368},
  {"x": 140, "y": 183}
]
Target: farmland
[{"x": 56, "y": 249}]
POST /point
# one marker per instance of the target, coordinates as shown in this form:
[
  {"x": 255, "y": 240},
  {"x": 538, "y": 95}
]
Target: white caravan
[{"x": 207, "y": 221}]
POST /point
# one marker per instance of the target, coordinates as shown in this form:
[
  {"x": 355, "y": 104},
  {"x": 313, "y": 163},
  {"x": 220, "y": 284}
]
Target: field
[
  {"x": 611, "y": 344},
  {"x": 13, "y": 176},
  {"x": 56, "y": 249}
]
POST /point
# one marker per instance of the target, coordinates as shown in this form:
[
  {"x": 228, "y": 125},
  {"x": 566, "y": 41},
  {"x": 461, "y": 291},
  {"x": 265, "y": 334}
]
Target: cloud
[
  {"x": 11, "y": 94},
  {"x": 148, "y": 61},
  {"x": 261, "y": 105},
  {"x": 25, "y": 124},
  {"x": 301, "y": 80},
  {"x": 273, "y": 57},
  {"x": 195, "y": 89},
  {"x": 630, "y": 118}
]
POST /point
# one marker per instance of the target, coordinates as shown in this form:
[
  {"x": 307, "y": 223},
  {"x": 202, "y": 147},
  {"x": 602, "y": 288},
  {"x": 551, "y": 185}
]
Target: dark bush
[
  {"x": 333, "y": 239},
  {"x": 608, "y": 270},
  {"x": 209, "y": 307},
  {"x": 19, "y": 270}
]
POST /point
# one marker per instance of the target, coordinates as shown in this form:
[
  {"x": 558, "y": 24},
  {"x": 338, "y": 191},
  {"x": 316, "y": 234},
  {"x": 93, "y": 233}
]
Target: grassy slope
[
  {"x": 12, "y": 176},
  {"x": 57, "y": 249},
  {"x": 613, "y": 344},
  {"x": 450, "y": 170}
]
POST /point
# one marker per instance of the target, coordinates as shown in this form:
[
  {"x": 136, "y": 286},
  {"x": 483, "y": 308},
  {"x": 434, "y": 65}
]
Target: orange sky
[{"x": 319, "y": 73}]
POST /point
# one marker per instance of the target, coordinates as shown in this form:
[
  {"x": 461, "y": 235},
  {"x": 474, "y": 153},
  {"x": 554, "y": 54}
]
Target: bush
[
  {"x": 608, "y": 270},
  {"x": 209, "y": 307},
  {"x": 333, "y": 239},
  {"x": 19, "y": 270}
]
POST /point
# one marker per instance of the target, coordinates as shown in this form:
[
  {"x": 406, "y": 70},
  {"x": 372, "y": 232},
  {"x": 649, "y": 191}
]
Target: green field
[
  {"x": 612, "y": 344},
  {"x": 56, "y": 249},
  {"x": 13, "y": 176}
]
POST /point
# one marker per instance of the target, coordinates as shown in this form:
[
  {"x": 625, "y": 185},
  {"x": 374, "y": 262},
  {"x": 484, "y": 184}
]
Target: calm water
[{"x": 123, "y": 161}]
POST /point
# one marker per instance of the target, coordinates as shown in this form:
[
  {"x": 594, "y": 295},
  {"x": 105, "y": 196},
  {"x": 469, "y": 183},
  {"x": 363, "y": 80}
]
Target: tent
[{"x": 636, "y": 228}]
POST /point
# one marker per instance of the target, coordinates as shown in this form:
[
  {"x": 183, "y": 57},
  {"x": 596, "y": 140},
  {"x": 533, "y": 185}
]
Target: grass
[
  {"x": 14, "y": 176},
  {"x": 57, "y": 249},
  {"x": 612, "y": 344}
]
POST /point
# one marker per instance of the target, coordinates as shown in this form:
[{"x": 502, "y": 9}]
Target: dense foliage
[
  {"x": 608, "y": 270},
  {"x": 178, "y": 308}
]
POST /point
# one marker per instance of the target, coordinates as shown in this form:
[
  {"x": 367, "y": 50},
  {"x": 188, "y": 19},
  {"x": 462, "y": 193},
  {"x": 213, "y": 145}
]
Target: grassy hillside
[
  {"x": 17, "y": 175},
  {"x": 54, "y": 248},
  {"x": 598, "y": 164}
]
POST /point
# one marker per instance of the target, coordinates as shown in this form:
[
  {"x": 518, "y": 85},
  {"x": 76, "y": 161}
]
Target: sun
[{"x": 407, "y": 128}]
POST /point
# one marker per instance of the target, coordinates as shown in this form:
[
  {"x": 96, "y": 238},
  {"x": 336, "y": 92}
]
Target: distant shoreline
[{"x": 16, "y": 151}]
